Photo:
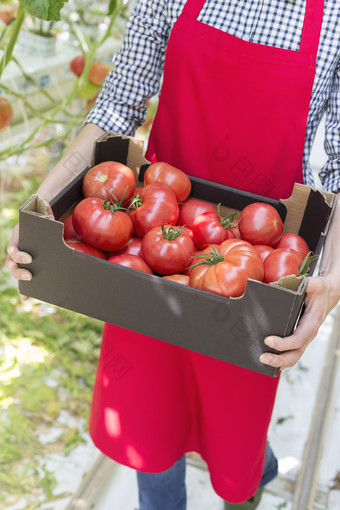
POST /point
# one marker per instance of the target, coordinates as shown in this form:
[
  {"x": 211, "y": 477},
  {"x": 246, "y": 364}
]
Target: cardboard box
[{"x": 229, "y": 329}]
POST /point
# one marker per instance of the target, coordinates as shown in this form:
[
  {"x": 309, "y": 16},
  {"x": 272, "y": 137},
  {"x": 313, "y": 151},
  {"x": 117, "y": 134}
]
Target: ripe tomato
[
  {"x": 260, "y": 223},
  {"x": 263, "y": 250},
  {"x": 294, "y": 241},
  {"x": 132, "y": 247},
  {"x": 69, "y": 232},
  {"x": 132, "y": 261},
  {"x": 109, "y": 180},
  {"x": 77, "y": 64},
  {"x": 152, "y": 207},
  {"x": 86, "y": 248},
  {"x": 170, "y": 176},
  {"x": 193, "y": 208},
  {"x": 211, "y": 228},
  {"x": 227, "y": 269},
  {"x": 6, "y": 113},
  {"x": 281, "y": 262},
  {"x": 101, "y": 224},
  {"x": 178, "y": 278},
  {"x": 167, "y": 249}
]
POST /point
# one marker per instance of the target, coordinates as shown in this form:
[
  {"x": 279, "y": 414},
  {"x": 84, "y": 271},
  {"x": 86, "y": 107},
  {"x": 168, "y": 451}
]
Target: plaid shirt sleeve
[
  {"x": 138, "y": 67},
  {"x": 329, "y": 173}
]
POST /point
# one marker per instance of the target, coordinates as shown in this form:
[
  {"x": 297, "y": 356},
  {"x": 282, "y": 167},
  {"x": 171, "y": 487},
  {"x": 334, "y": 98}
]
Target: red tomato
[
  {"x": 152, "y": 207},
  {"x": 295, "y": 242},
  {"x": 166, "y": 174},
  {"x": 167, "y": 249},
  {"x": 263, "y": 250},
  {"x": 178, "y": 278},
  {"x": 101, "y": 224},
  {"x": 69, "y": 232},
  {"x": 193, "y": 208},
  {"x": 228, "y": 270},
  {"x": 211, "y": 228},
  {"x": 132, "y": 247},
  {"x": 281, "y": 262},
  {"x": 260, "y": 223},
  {"x": 132, "y": 261},
  {"x": 86, "y": 248},
  {"x": 110, "y": 180}
]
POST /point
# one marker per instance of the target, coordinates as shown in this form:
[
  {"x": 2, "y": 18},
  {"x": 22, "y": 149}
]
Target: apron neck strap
[{"x": 311, "y": 25}]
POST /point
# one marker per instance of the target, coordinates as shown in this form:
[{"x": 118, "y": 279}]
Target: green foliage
[{"x": 48, "y": 10}]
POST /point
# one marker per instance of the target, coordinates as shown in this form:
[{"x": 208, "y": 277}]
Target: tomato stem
[
  {"x": 172, "y": 232},
  {"x": 228, "y": 221},
  {"x": 211, "y": 259},
  {"x": 305, "y": 266},
  {"x": 136, "y": 202}
]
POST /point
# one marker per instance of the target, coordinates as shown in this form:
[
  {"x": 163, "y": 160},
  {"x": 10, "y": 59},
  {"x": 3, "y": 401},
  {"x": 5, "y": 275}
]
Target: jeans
[{"x": 167, "y": 491}]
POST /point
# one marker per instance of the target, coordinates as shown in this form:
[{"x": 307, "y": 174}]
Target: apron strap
[{"x": 311, "y": 25}]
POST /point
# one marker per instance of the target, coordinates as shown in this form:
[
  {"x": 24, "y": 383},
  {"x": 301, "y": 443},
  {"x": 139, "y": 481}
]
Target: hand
[
  {"x": 319, "y": 301},
  {"x": 16, "y": 257}
]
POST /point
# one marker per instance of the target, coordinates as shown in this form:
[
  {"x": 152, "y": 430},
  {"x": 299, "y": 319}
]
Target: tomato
[
  {"x": 294, "y": 241},
  {"x": 132, "y": 261},
  {"x": 101, "y": 224},
  {"x": 77, "y": 65},
  {"x": 281, "y": 262},
  {"x": 260, "y": 223},
  {"x": 69, "y": 232},
  {"x": 154, "y": 205},
  {"x": 98, "y": 72},
  {"x": 170, "y": 176},
  {"x": 178, "y": 278},
  {"x": 6, "y": 113},
  {"x": 86, "y": 248},
  {"x": 110, "y": 180},
  {"x": 227, "y": 269},
  {"x": 193, "y": 208},
  {"x": 132, "y": 247},
  {"x": 211, "y": 228},
  {"x": 167, "y": 249},
  {"x": 263, "y": 250}
]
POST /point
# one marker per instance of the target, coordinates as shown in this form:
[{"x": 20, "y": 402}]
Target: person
[{"x": 244, "y": 88}]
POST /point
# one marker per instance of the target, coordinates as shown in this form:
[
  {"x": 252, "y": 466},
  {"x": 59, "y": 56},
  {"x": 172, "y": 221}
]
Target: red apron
[{"x": 233, "y": 112}]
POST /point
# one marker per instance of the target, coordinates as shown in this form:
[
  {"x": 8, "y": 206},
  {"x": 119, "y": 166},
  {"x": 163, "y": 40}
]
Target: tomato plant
[
  {"x": 167, "y": 249},
  {"x": 170, "y": 176},
  {"x": 260, "y": 223},
  {"x": 211, "y": 228},
  {"x": 189, "y": 210},
  {"x": 110, "y": 180},
  {"x": 154, "y": 205},
  {"x": 83, "y": 247},
  {"x": 100, "y": 223},
  {"x": 132, "y": 261}
]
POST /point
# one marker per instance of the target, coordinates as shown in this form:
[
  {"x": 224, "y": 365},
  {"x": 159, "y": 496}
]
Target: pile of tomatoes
[{"x": 160, "y": 229}]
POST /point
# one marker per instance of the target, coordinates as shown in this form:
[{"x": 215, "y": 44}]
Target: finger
[
  {"x": 20, "y": 257},
  {"x": 48, "y": 208},
  {"x": 283, "y": 360},
  {"x": 17, "y": 272},
  {"x": 24, "y": 298}
]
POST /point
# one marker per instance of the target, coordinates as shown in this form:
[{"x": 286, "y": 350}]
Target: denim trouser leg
[
  {"x": 166, "y": 490},
  {"x": 163, "y": 491}
]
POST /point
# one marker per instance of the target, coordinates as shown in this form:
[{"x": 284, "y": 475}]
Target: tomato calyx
[
  {"x": 112, "y": 204},
  {"x": 172, "y": 232},
  {"x": 211, "y": 259},
  {"x": 136, "y": 202},
  {"x": 228, "y": 221},
  {"x": 305, "y": 266}
]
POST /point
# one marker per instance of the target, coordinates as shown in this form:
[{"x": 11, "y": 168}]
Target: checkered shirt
[{"x": 138, "y": 66}]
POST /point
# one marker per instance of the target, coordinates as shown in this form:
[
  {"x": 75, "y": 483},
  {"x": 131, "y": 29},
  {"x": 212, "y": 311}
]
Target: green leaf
[
  {"x": 49, "y": 483},
  {"x": 112, "y": 6},
  {"x": 48, "y": 10}
]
